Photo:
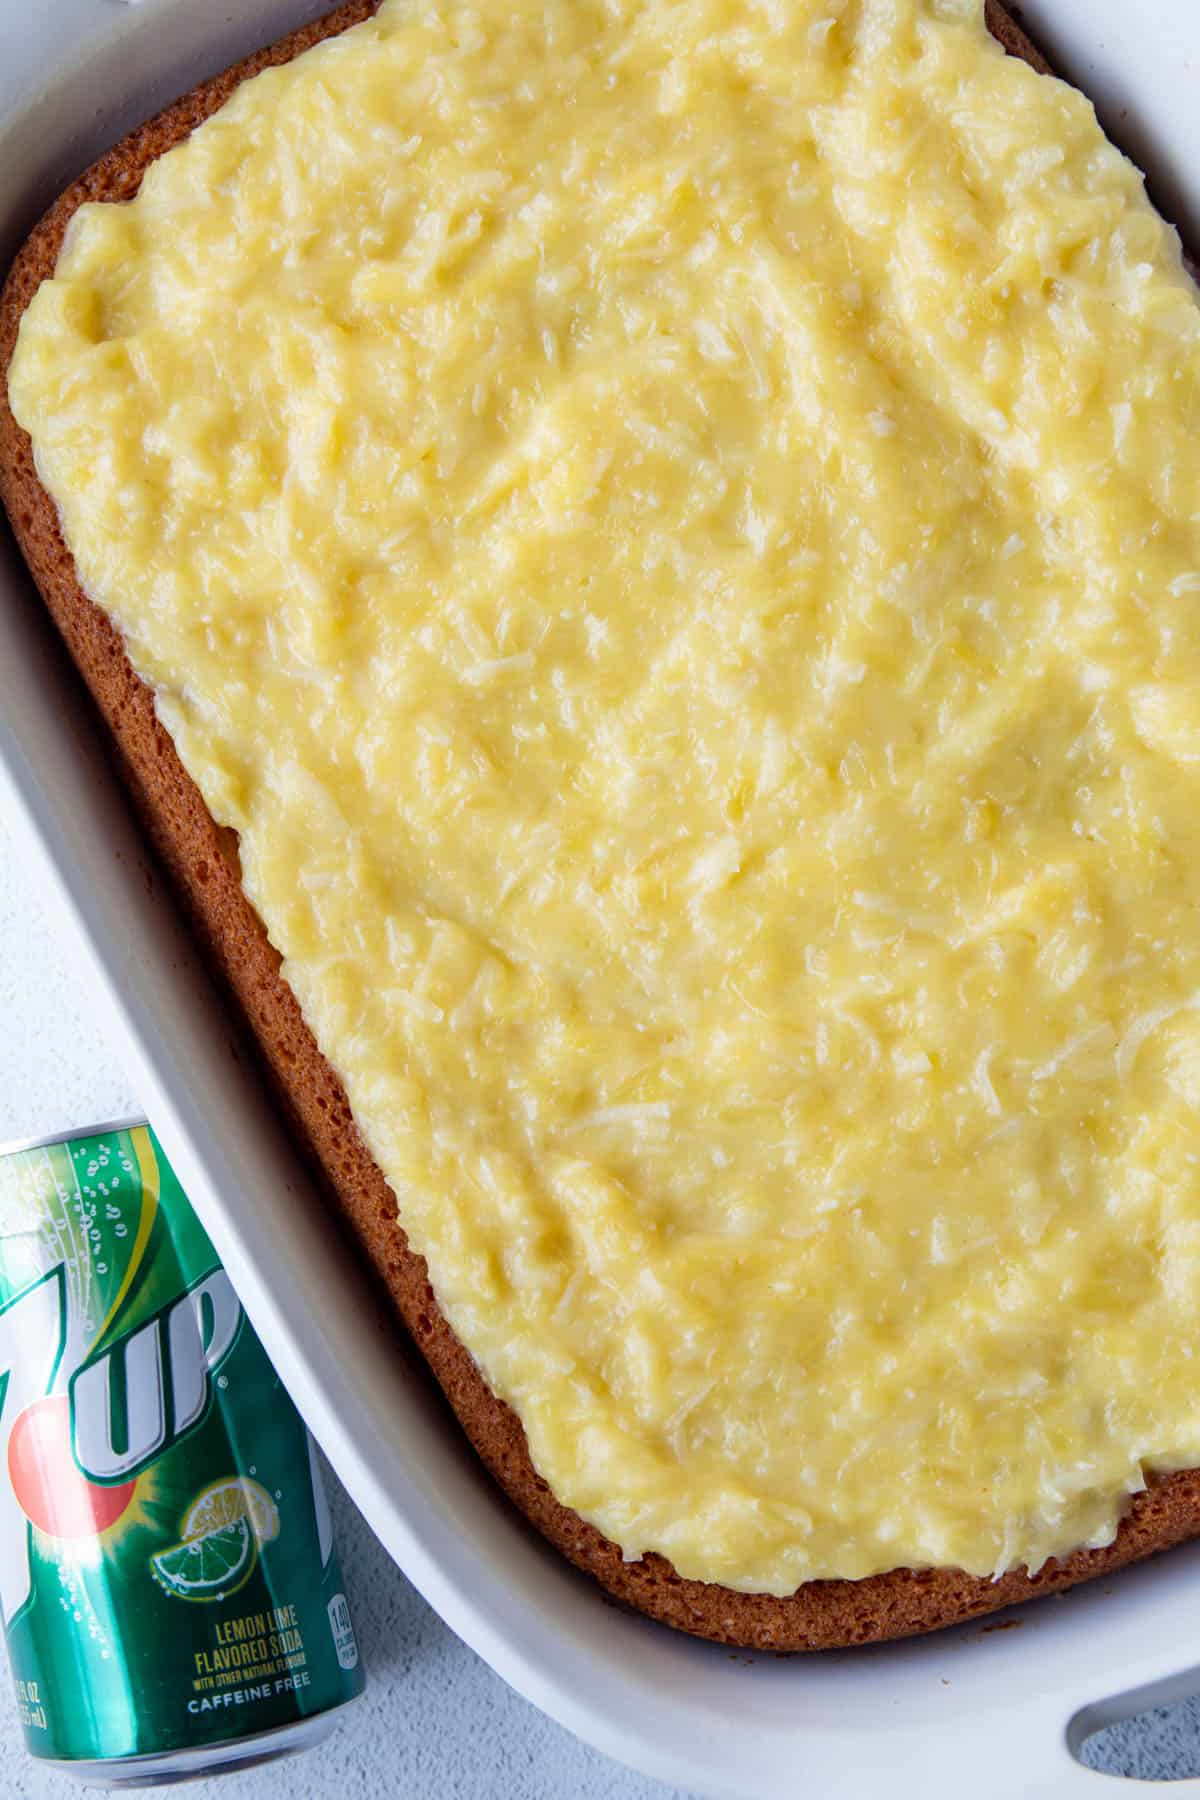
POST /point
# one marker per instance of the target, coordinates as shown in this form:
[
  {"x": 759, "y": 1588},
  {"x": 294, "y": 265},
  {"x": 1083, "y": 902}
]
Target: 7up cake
[{"x": 169, "y": 1592}]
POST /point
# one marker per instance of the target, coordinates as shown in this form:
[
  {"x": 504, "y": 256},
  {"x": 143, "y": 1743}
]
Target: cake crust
[{"x": 201, "y": 860}]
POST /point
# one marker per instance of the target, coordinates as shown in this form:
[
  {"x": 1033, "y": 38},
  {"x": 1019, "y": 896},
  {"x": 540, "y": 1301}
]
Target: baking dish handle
[
  {"x": 1028, "y": 1751},
  {"x": 1099, "y": 1714},
  {"x": 1037, "y": 1758}
]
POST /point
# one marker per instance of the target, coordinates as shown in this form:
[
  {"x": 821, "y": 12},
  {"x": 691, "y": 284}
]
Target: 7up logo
[
  {"x": 167, "y": 1579},
  {"x": 73, "y": 1439}
]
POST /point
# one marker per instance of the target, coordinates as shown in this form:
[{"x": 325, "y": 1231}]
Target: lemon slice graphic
[
  {"x": 208, "y": 1567},
  {"x": 232, "y": 1498}
]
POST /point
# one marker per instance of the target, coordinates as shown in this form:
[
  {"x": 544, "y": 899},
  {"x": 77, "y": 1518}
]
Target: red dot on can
[{"x": 50, "y": 1488}]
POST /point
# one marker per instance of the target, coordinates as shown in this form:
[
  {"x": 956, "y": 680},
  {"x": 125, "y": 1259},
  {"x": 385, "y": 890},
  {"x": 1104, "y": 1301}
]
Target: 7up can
[{"x": 169, "y": 1591}]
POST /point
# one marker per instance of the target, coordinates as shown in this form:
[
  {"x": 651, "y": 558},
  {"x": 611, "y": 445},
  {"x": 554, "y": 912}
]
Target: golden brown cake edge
[{"x": 201, "y": 859}]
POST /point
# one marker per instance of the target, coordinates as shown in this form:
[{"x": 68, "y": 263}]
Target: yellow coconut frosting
[{"x": 671, "y": 529}]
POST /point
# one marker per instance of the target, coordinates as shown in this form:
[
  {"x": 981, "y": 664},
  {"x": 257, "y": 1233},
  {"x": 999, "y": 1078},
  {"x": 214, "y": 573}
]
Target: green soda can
[{"x": 168, "y": 1586}]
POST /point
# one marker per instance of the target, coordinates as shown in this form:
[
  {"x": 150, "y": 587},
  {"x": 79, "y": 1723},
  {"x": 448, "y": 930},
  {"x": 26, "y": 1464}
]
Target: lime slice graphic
[
  {"x": 209, "y": 1567},
  {"x": 234, "y": 1497}
]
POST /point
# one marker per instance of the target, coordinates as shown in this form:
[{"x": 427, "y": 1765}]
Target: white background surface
[{"x": 435, "y": 1721}]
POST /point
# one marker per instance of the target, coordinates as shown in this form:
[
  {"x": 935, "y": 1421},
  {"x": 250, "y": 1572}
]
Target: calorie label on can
[{"x": 167, "y": 1575}]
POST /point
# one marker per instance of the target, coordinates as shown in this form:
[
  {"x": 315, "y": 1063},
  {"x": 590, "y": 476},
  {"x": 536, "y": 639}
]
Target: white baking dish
[{"x": 995, "y": 1712}]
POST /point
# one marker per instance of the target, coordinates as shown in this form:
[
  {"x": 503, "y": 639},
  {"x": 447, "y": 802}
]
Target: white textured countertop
[{"x": 435, "y": 1721}]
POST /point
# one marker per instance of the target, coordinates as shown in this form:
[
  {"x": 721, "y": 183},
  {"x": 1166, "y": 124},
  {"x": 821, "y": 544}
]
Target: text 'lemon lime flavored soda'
[{"x": 170, "y": 1595}]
